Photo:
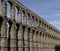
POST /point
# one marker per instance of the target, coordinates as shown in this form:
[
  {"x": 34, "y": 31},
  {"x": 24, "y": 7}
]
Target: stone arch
[
  {"x": 23, "y": 13},
  {"x": 57, "y": 48},
  {"x": 16, "y": 13},
  {"x": 37, "y": 36},
  {"x": 9, "y": 23},
  {"x": 37, "y": 33},
  {"x": 47, "y": 35},
  {"x": 1, "y": 21},
  {"x": 40, "y": 33},
  {"x": 36, "y": 20},
  {"x": 28, "y": 18},
  {"x": 9, "y": 4},
  {"x": 17, "y": 28},
  {"x": 29, "y": 29},
  {"x": 25, "y": 37},
  {"x": 43, "y": 34},
  {"x": 33, "y": 31},
  {"x": 32, "y": 20},
  {"x": 24, "y": 27}
]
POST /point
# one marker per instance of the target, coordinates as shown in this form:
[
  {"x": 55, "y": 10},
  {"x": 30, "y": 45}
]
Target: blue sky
[{"x": 47, "y": 9}]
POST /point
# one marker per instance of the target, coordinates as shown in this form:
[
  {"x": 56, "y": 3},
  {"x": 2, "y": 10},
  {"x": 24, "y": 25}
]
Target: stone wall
[{"x": 28, "y": 33}]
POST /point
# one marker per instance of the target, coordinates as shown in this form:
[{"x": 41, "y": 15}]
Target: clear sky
[{"x": 47, "y": 9}]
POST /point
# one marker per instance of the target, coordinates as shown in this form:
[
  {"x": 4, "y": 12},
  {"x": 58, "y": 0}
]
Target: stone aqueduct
[{"x": 29, "y": 33}]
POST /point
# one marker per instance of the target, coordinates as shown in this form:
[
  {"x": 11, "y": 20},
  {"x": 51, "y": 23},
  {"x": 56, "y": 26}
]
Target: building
[{"x": 28, "y": 33}]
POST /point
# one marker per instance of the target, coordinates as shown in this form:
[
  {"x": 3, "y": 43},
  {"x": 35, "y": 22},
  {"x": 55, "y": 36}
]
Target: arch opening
[
  {"x": 1, "y": 20},
  {"x": 57, "y": 48},
  {"x": 9, "y": 23},
  {"x": 9, "y": 4},
  {"x": 23, "y": 14},
  {"x": 28, "y": 18},
  {"x": 16, "y": 13}
]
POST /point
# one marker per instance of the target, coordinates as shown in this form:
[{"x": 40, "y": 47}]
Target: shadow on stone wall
[{"x": 57, "y": 48}]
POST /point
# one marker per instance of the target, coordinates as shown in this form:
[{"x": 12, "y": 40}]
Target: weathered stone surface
[{"x": 29, "y": 33}]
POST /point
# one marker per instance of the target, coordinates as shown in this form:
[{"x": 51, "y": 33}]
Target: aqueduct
[{"x": 24, "y": 30}]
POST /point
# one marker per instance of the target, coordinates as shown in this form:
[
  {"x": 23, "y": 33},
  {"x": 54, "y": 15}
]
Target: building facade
[{"x": 26, "y": 31}]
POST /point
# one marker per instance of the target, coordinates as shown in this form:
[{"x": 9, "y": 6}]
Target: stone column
[
  {"x": 20, "y": 38},
  {"x": 33, "y": 23},
  {"x": 35, "y": 41},
  {"x": 53, "y": 44},
  {"x": 31, "y": 39},
  {"x": 37, "y": 23},
  {"x": 29, "y": 23},
  {"x": 12, "y": 12},
  {"x": 3, "y": 33},
  {"x": 47, "y": 42},
  {"x": 39, "y": 41},
  {"x": 25, "y": 19},
  {"x": 41, "y": 24},
  {"x": 4, "y": 8},
  {"x": 50, "y": 44},
  {"x": 40, "y": 44},
  {"x": 4, "y": 40},
  {"x": 13, "y": 37},
  {"x": 44, "y": 42},
  {"x": 13, "y": 29},
  {"x": 20, "y": 16},
  {"x": 26, "y": 39}
]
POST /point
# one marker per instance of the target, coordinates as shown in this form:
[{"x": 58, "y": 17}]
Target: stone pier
[{"x": 24, "y": 30}]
